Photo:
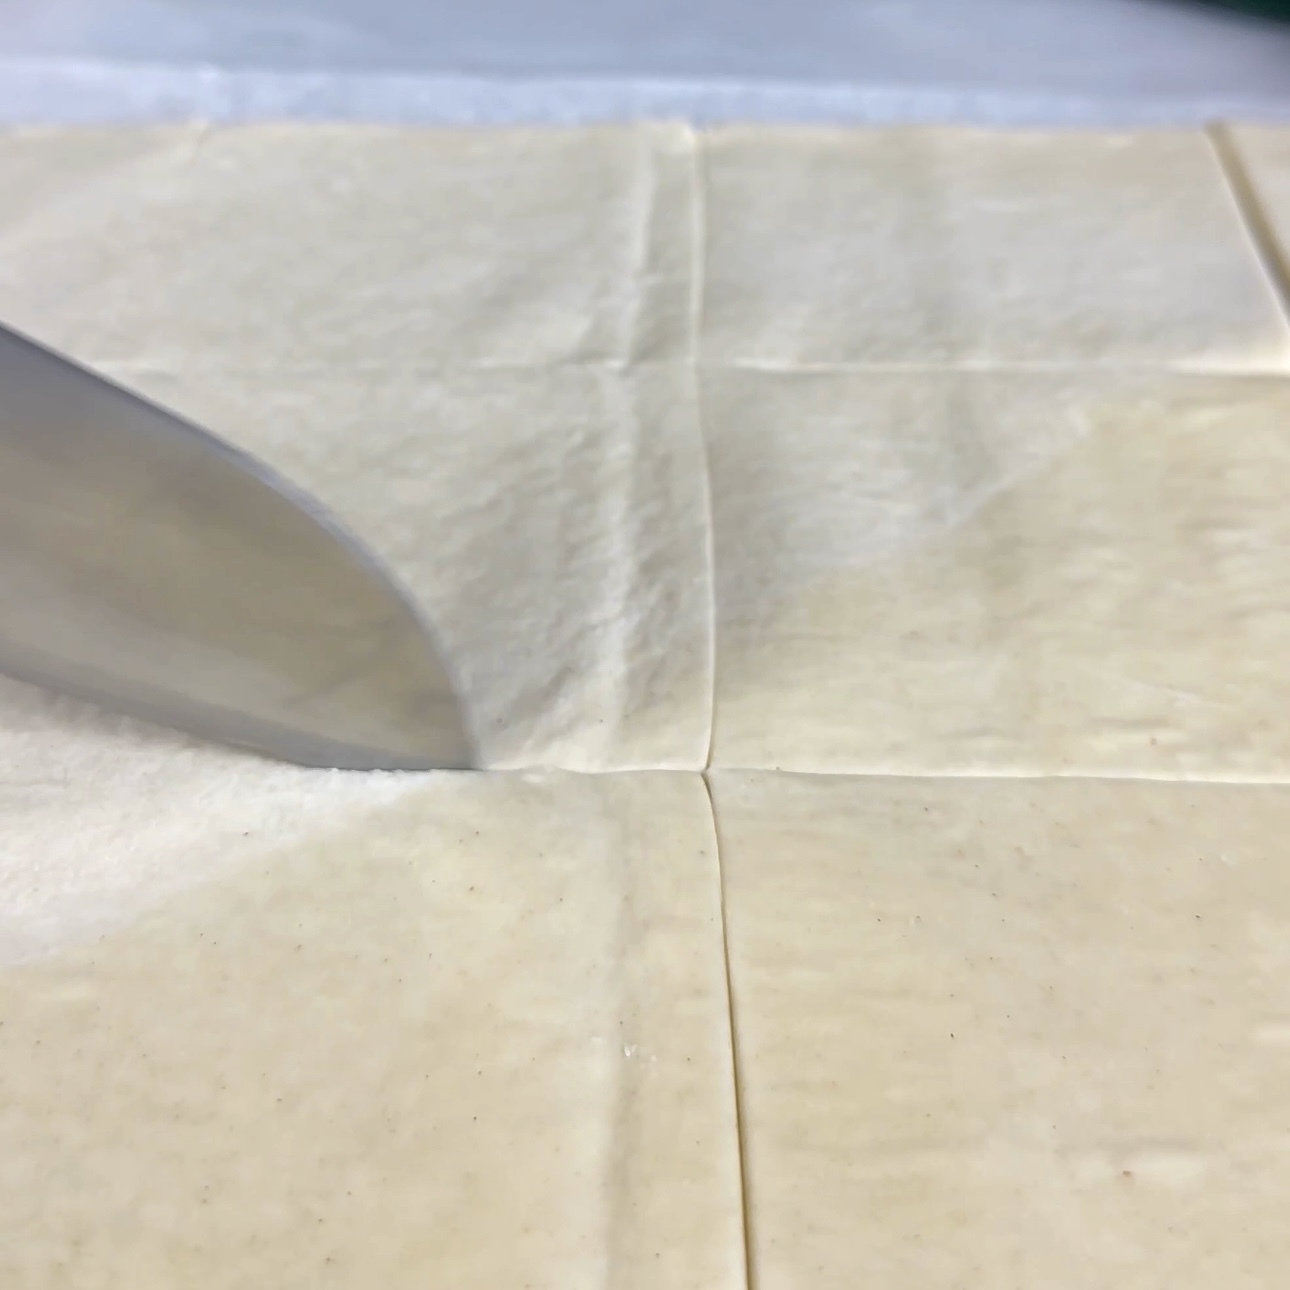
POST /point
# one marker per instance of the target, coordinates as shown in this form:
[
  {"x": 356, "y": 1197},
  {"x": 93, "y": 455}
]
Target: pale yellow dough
[
  {"x": 473, "y": 1032},
  {"x": 929, "y": 245},
  {"x": 287, "y": 247},
  {"x": 1017, "y": 573},
  {"x": 936, "y": 453},
  {"x": 1010, "y": 1033}
]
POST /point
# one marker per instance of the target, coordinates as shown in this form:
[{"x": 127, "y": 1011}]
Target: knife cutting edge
[{"x": 151, "y": 568}]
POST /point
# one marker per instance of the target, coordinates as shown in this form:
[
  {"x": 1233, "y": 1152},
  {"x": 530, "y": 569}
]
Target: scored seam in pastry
[
  {"x": 1253, "y": 216},
  {"x": 750, "y": 1275},
  {"x": 698, "y": 273}
]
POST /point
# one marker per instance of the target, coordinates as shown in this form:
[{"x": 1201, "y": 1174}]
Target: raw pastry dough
[
  {"x": 49, "y": 167},
  {"x": 354, "y": 246},
  {"x": 932, "y": 245},
  {"x": 471, "y": 1033},
  {"x": 949, "y": 573},
  {"x": 381, "y": 1030},
  {"x": 1010, "y": 1033}
]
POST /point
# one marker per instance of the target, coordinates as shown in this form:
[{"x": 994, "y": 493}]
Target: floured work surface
[{"x": 950, "y": 463}]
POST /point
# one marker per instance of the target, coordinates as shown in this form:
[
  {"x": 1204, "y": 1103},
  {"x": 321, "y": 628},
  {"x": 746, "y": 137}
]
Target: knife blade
[{"x": 152, "y": 568}]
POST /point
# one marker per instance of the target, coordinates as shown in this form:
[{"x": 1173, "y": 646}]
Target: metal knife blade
[{"x": 154, "y": 569}]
